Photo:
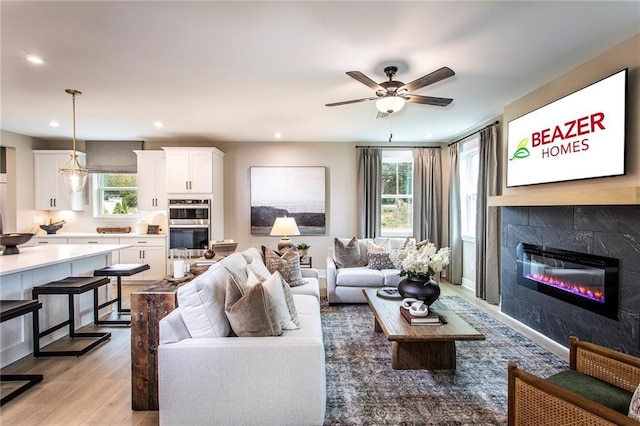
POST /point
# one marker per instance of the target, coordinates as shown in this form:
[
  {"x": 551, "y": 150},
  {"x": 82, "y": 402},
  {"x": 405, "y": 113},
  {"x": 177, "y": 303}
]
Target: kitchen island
[{"x": 39, "y": 265}]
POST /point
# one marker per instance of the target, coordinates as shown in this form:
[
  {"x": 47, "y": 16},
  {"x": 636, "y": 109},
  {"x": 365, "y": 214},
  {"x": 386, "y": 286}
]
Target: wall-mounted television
[{"x": 579, "y": 136}]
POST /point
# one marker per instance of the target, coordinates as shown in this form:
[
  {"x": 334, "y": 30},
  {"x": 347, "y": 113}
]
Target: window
[
  {"x": 469, "y": 162},
  {"x": 116, "y": 193},
  {"x": 397, "y": 193}
]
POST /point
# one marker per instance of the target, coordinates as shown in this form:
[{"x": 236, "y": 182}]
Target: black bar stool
[
  {"x": 69, "y": 286},
  {"x": 118, "y": 270},
  {"x": 10, "y": 309}
]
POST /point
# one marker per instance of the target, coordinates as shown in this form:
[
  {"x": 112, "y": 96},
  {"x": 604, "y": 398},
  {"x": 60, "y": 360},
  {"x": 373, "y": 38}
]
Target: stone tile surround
[{"x": 612, "y": 231}]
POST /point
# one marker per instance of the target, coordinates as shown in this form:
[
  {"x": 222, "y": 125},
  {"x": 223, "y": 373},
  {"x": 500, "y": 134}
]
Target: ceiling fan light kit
[
  {"x": 390, "y": 104},
  {"x": 391, "y": 95}
]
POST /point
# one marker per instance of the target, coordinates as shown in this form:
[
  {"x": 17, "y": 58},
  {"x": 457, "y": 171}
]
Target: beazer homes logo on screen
[{"x": 564, "y": 138}]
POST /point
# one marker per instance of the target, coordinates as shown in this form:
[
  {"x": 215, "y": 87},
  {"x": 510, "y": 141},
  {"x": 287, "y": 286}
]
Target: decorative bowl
[
  {"x": 51, "y": 229},
  {"x": 10, "y": 241}
]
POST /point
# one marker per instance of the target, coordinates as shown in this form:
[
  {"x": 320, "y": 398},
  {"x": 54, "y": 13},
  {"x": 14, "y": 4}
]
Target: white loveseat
[
  {"x": 240, "y": 380},
  {"x": 345, "y": 284}
]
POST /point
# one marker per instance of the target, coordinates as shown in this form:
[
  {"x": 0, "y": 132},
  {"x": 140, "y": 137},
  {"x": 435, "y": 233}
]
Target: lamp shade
[
  {"x": 390, "y": 104},
  {"x": 285, "y": 226}
]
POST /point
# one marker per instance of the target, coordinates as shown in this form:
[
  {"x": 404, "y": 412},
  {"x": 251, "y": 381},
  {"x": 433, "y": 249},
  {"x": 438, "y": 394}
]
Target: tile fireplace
[
  {"x": 609, "y": 232},
  {"x": 582, "y": 279}
]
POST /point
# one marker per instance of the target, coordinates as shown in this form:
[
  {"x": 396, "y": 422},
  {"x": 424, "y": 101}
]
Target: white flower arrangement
[{"x": 420, "y": 262}]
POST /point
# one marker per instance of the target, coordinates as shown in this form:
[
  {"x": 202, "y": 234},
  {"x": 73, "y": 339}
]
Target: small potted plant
[{"x": 302, "y": 248}]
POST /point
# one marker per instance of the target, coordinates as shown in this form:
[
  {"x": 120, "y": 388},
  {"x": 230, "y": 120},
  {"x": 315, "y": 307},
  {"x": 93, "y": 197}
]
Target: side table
[{"x": 306, "y": 262}]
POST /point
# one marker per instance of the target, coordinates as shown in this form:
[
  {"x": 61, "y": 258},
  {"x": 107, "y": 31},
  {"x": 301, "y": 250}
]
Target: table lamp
[{"x": 285, "y": 226}]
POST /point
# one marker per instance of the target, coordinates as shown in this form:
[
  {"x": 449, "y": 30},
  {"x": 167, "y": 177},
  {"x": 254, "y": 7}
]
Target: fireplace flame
[{"x": 568, "y": 287}]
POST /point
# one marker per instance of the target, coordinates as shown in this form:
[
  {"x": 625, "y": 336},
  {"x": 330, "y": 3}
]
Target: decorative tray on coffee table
[{"x": 389, "y": 293}]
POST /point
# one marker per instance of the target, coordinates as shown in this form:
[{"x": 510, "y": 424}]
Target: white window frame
[
  {"x": 97, "y": 191},
  {"x": 468, "y": 188},
  {"x": 398, "y": 156}
]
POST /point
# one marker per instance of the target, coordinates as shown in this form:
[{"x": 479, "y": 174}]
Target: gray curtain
[
  {"x": 427, "y": 195},
  {"x": 369, "y": 191},
  {"x": 455, "y": 228},
  {"x": 487, "y": 260}
]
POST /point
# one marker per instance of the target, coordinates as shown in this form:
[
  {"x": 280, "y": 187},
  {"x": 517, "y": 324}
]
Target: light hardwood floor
[{"x": 96, "y": 387}]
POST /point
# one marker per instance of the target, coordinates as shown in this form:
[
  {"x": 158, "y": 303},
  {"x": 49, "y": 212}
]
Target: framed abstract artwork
[{"x": 297, "y": 192}]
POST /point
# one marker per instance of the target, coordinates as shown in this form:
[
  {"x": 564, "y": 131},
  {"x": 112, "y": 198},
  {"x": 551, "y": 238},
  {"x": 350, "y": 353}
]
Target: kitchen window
[
  {"x": 116, "y": 194},
  {"x": 397, "y": 193}
]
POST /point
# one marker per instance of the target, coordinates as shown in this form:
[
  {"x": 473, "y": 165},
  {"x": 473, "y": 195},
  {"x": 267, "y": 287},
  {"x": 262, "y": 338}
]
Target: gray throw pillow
[
  {"x": 347, "y": 255},
  {"x": 379, "y": 261},
  {"x": 252, "y": 313},
  {"x": 288, "y": 265}
]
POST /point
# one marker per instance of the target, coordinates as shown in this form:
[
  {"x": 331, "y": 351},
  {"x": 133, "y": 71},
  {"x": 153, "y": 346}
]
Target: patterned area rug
[{"x": 363, "y": 389}]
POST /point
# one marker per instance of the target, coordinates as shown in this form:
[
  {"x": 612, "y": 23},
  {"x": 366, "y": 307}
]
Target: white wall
[
  {"x": 469, "y": 265},
  {"x": 624, "y": 55},
  {"x": 20, "y": 187}
]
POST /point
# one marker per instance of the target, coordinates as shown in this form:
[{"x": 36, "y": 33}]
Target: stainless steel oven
[{"x": 189, "y": 225}]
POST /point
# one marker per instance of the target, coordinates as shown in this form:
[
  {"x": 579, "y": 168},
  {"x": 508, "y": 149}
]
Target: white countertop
[
  {"x": 97, "y": 235},
  {"x": 39, "y": 256}
]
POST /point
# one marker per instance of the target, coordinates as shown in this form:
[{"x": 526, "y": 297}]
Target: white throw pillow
[
  {"x": 259, "y": 269},
  {"x": 274, "y": 285},
  {"x": 634, "y": 407},
  {"x": 380, "y": 246},
  {"x": 201, "y": 305}
]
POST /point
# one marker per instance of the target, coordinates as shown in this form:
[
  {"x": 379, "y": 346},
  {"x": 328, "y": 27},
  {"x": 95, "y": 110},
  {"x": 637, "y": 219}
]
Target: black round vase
[{"x": 425, "y": 290}]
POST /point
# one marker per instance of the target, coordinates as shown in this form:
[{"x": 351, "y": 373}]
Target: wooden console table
[{"x": 148, "y": 307}]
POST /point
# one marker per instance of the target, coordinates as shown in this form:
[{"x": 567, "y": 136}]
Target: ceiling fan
[{"x": 391, "y": 95}]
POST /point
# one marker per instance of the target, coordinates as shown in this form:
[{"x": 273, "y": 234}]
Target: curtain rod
[
  {"x": 394, "y": 146},
  {"x": 473, "y": 133}
]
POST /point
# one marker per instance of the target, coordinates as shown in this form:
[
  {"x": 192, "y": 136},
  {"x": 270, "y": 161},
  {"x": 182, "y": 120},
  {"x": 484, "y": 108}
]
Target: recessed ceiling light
[
  {"x": 429, "y": 135},
  {"x": 158, "y": 124},
  {"x": 277, "y": 135},
  {"x": 34, "y": 59},
  {"x": 54, "y": 123}
]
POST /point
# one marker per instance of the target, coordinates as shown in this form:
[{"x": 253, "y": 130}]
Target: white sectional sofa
[
  {"x": 207, "y": 380},
  {"x": 345, "y": 284}
]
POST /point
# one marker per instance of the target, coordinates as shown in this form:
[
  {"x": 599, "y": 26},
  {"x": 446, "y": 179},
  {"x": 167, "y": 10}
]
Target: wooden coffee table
[{"x": 419, "y": 347}]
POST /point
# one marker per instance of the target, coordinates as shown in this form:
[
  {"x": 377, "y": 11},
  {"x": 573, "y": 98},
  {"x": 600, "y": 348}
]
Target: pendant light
[{"x": 73, "y": 174}]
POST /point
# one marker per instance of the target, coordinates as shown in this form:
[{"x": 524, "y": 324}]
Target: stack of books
[{"x": 433, "y": 318}]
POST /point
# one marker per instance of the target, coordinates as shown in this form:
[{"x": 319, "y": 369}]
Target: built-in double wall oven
[{"x": 190, "y": 225}]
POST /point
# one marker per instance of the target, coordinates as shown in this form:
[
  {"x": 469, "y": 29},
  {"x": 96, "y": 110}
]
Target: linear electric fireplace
[{"x": 581, "y": 279}]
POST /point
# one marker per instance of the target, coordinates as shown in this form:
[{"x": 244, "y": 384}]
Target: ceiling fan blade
[
  {"x": 434, "y": 77},
  {"x": 428, "y": 100},
  {"x": 355, "y": 101},
  {"x": 357, "y": 75}
]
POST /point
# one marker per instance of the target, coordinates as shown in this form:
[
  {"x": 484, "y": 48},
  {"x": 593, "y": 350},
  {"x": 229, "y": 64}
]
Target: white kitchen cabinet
[
  {"x": 50, "y": 191},
  {"x": 93, "y": 240},
  {"x": 115, "y": 258},
  {"x": 42, "y": 240},
  {"x": 150, "y": 250},
  {"x": 192, "y": 169},
  {"x": 152, "y": 180}
]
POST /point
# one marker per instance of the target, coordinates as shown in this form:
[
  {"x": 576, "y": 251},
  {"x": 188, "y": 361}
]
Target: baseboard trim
[{"x": 468, "y": 284}]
